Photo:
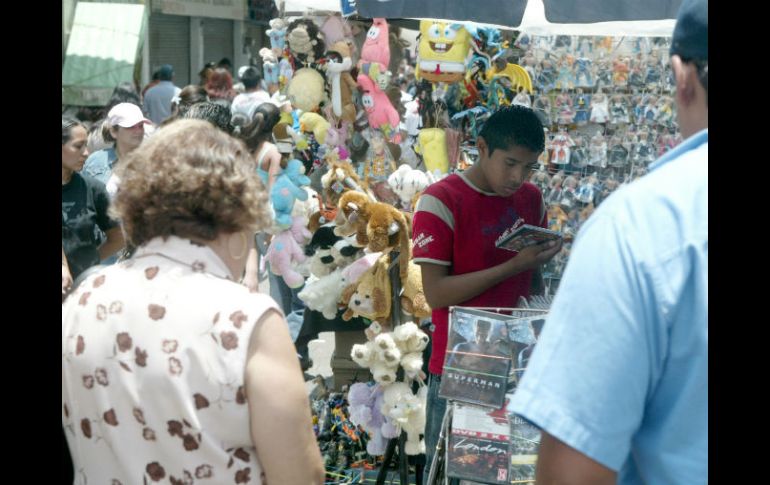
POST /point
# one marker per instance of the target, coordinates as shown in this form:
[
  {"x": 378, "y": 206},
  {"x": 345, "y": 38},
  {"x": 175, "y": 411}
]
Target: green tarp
[{"x": 104, "y": 46}]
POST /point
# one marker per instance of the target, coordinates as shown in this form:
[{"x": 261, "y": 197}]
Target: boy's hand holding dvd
[
  {"x": 527, "y": 235},
  {"x": 535, "y": 245}
]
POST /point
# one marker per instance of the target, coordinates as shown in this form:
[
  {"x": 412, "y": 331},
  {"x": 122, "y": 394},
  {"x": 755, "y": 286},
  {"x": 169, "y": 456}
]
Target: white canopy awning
[{"x": 533, "y": 22}]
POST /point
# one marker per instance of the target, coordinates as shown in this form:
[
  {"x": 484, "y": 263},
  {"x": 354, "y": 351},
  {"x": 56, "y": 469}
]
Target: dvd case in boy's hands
[{"x": 524, "y": 236}]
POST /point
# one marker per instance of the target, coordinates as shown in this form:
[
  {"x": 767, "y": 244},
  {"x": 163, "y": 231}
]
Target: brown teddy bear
[{"x": 370, "y": 296}]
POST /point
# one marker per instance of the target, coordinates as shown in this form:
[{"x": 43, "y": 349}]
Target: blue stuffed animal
[{"x": 286, "y": 189}]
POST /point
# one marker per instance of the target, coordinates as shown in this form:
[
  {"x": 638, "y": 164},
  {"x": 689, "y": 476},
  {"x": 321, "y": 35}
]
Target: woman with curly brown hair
[{"x": 170, "y": 367}]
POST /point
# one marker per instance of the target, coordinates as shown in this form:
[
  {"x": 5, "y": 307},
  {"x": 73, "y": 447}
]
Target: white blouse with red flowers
[{"x": 153, "y": 360}]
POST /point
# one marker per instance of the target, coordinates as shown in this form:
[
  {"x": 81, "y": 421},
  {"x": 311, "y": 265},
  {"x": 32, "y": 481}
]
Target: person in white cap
[{"x": 125, "y": 128}]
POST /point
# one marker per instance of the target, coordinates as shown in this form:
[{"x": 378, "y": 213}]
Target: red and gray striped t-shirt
[{"x": 456, "y": 225}]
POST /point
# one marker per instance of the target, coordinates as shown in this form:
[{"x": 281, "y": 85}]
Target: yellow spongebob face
[{"x": 440, "y": 42}]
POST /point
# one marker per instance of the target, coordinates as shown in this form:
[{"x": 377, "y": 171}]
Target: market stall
[{"x": 363, "y": 148}]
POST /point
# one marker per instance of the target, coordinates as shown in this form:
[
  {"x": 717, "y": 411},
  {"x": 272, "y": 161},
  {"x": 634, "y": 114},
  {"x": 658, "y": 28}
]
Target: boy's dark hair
[
  {"x": 251, "y": 77},
  {"x": 216, "y": 114},
  {"x": 513, "y": 125}
]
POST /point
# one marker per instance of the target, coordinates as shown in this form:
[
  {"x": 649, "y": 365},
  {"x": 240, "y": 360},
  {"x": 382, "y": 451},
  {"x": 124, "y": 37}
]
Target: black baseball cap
[{"x": 691, "y": 34}]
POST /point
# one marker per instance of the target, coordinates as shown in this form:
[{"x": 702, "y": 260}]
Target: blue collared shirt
[
  {"x": 99, "y": 164},
  {"x": 157, "y": 101},
  {"x": 620, "y": 372}
]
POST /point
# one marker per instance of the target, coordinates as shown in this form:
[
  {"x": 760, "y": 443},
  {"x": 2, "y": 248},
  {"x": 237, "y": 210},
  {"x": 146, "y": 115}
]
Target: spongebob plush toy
[{"x": 442, "y": 51}]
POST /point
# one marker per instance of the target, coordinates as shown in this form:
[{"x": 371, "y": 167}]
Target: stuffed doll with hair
[{"x": 306, "y": 42}]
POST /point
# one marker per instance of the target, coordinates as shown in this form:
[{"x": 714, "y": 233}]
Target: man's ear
[{"x": 685, "y": 76}]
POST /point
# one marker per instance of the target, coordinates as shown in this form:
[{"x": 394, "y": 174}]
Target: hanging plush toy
[
  {"x": 413, "y": 300},
  {"x": 277, "y": 34},
  {"x": 380, "y": 113},
  {"x": 371, "y": 296},
  {"x": 379, "y": 161},
  {"x": 388, "y": 228},
  {"x": 375, "y": 54},
  {"x": 365, "y": 410},
  {"x": 431, "y": 144},
  {"x": 341, "y": 82},
  {"x": 315, "y": 123},
  {"x": 442, "y": 51},
  {"x": 339, "y": 177},
  {"x": 406, "y": 182},
  {"x": 284, "y": 253},
  {"x": 305, "y": 41},
  {"x": 270, "y": 69},
  {"x": 335, "y": 29},
  {"x": 321, "y": 294},
  {"x": 407, "y": 411},
  {"x": 353, "y": 216},
  {"x": 306, "y": 89},
  {"x": 286, "y": 189}
]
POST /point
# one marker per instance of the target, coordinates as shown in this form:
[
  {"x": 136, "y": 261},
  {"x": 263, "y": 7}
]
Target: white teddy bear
[
  {"x": 411, "y": 341},
  {"x": 369, "y": 356}
]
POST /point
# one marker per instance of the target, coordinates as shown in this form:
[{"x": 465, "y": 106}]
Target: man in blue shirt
[
  {"x": 157, "y": 100},
  {"x": 618, "y": 381}
]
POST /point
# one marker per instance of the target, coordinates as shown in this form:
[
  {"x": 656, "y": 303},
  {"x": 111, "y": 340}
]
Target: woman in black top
[{"x": 84, "y": 203}]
